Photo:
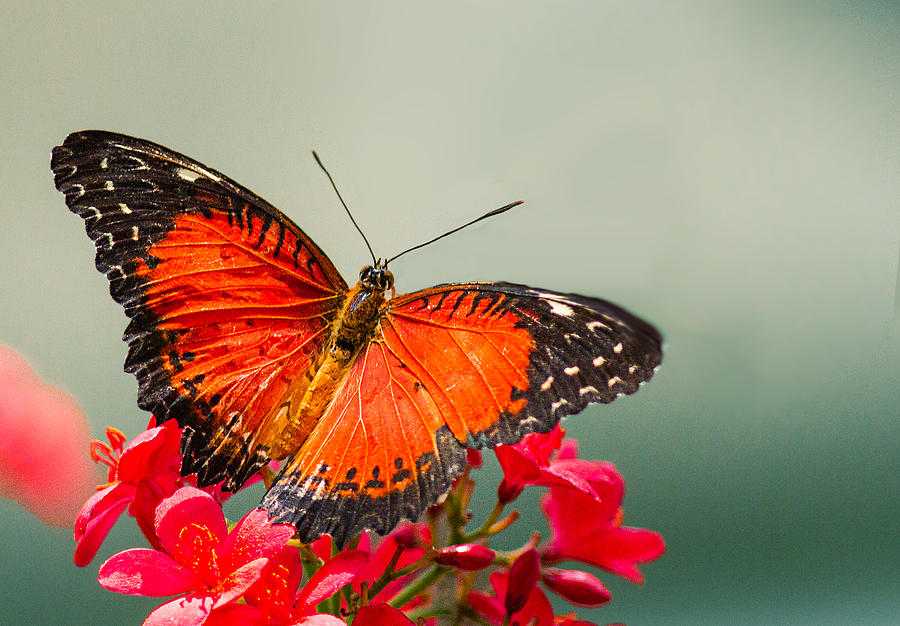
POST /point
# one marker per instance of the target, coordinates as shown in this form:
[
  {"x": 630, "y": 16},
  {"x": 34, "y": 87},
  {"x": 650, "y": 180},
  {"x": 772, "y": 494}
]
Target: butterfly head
[{"x": 377, "y": 277}]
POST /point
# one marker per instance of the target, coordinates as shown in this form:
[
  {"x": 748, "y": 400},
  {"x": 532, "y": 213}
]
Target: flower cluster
[{"x": 253, "y": 571}]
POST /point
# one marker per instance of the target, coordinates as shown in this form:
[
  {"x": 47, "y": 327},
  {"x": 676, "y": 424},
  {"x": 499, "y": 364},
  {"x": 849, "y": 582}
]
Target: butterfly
[{"x": 242, "y": 330}]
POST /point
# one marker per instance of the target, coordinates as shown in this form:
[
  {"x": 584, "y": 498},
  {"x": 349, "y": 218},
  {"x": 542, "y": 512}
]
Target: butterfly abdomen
[{"x": 307, "y": 400}]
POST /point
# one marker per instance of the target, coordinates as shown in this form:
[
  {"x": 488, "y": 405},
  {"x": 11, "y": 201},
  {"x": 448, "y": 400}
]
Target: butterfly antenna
[
  {"x": 502, "y": 209},
  {"x": 331, "y": 180}
]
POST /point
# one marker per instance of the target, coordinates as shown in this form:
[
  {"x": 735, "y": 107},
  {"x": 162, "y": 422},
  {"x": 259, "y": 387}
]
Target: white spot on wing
[
  {"x": 125, "y": 208},
  {"x": 558, "y": 404},
  {"x": 134, "y": 233},
  {"x": 586, "y": 390},
  {"x": 599, "y": 361},
  {"x": 104, "y": 162},
  {"x": 613, "y": 381},
  {"x": 188, "y": 175},
  {"x": 618, "y": 348},
  {"x": 110, "y": 186},
  {"x": 560, "y": 308},
  {"x": 632, "y": 369},
  {"x": 571, "y": 371},
  {"x": 546, "y": 384},
  {"x": 595, "y": 324}
]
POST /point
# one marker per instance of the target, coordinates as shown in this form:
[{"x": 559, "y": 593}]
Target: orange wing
[
  {"x": 229, "y": 300},
  {"x": 454, "y": 366}
]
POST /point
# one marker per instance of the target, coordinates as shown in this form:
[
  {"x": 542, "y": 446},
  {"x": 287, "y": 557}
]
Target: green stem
[
  {"x": 485, "y": 528},
  {"x": 418, "y": 586},
  {"x": 392, "y": 575}
]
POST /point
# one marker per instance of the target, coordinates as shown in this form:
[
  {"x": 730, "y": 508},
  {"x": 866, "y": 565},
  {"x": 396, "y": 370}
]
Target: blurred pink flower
[{"x": 43, "y": 444}]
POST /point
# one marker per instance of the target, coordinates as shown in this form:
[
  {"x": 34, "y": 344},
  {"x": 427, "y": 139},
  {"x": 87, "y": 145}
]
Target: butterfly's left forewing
[
  {"x": 477, "y": 364},
  {"x": 229, "y": 301}
]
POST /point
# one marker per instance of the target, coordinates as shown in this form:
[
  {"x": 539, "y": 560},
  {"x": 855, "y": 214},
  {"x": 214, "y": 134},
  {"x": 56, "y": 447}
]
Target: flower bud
[
  {"x": 467, "y": 556},
  {"x": 579, "y": 588},
  {"x": 406, "y": 535},
  {"x": 507, "y": 491}
]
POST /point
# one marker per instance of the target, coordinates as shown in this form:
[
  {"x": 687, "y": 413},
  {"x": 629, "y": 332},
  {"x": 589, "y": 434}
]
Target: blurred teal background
[{"x": 730, "y": 171}]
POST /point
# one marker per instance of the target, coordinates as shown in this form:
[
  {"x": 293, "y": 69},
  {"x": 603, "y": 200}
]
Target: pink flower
[
  {"x": 546, "y": 460},
  {"x": 202, "y": 560},
  {"x": 43, "y": 438},
  {"x": 140, "y": 475},
  {"x": 589, "y": 529}
]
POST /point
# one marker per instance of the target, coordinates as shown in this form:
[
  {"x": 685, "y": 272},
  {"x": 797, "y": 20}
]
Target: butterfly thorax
[{"x": 351, "y": 331}]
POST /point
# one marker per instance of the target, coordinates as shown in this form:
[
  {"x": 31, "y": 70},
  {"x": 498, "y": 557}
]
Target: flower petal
[
  {"x": 381, "y": 615},
  {"x": 274, "y": 592},
  {"x": 190, "y": 526},
  {"x": 523, "y": 575},
  {"x": 320, "y": 619},
  {"x": 587, "y": 530},
  {"x": 145, "y": 572},
  {"x": 239, "y": 581},
  {"x": 97, "y": 517},
  {"x": 236, "y": 614},
  {"x": 189, "y": 610},
  {"x": 488, "y": 606},
  {"x": 154, "y": 450},
  {"x": 339, "y": 571},
  {"x": 537, "y": 610},
  {"x": 252, "y": 538}
]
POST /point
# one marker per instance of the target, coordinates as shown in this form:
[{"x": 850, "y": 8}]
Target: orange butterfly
[{"x": 244, "y": 332}]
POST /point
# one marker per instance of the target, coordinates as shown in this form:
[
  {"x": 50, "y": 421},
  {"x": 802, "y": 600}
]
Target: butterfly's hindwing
[
  {"x": 228, "y": 300},
  {"x": 374, "y": 458}
]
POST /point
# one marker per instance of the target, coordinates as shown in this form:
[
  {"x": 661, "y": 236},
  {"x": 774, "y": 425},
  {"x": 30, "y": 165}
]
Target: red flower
[
  {"x": 43, "y": 436},
  {"x": 411, "y": 540},
  {"x": 589, "y": 529},
  {"x": 515, "y": 589},
  {"x": 140, "y": 475},
  {"x": 272, "y": 599},
  {"x": 202, "y": 559},
  {"x": 546, "y": 460}
]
